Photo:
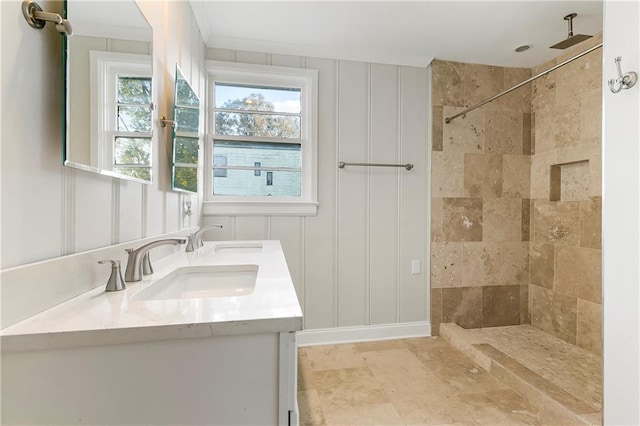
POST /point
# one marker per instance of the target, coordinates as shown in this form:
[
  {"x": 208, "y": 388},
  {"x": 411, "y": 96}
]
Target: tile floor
[{"x": 403, "y": 382}]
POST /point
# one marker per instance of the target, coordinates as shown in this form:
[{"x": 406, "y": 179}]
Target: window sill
[{"x": 283, "y": 208}]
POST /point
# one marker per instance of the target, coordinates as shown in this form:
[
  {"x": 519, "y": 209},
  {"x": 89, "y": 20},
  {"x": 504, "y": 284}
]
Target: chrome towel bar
[{"x": 342, "y": 164}]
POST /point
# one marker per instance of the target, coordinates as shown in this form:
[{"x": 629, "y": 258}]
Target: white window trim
[
  {"x": 307, "y": 80},
  {"x": 104, "y": 68}
]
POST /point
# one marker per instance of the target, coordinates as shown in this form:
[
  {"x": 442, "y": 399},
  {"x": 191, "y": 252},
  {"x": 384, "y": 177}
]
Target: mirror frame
[
  {"x": 178, "y": 133},
  {"x": 68, "y": 119}
]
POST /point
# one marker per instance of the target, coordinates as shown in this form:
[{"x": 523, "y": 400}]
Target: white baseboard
[{"x": 337, "y": 335}]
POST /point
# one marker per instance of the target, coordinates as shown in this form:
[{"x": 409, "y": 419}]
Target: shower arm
[{"x": 519, "y": 85}]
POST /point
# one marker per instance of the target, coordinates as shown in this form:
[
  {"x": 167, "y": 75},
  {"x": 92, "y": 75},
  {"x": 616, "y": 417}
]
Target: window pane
[
  {"x": 244, "y": 182},
  {"x": 267, "y": 154},
  {"x": 134, "y": 90},
  {"x": 143, "y": 173},
  {"x": 185, "y": 178},
  {"x": 132, "y": 151},
  {"x": 257, "y": 98},
  {"x": 134, "y": 119},
  {"x": 220, "y": 160},
  {"x": 186, "y": 150},
  {"x": 184, "y": 94},
  {"x": 187, "y": 119},
  {"x": 243, "y": 124}
]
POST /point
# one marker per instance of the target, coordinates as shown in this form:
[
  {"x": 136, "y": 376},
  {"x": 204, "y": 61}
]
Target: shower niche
[{"x": 570, "y": 181}]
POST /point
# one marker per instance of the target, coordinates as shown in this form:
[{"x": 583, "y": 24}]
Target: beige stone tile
[
  {"x": 543, "y": 90},
  {"x": 540, "y": 171},
  {"x": 436, "y": 311},
  {"x": 502, "y": 219},
  {"x": 464, "y": 134},
  {"x": 305, "y": 381},
  {"x": 556, "y": 221},
  {"x": 371, "y": 414},
  {"x": 448, "y": 83},
  {"x": 437, "y": 231},
  {"x": 446, "y": 264},
  {"x": 346, "y": 388},
  {"x": 579, "y": 273},
  {"x": 590, "y": 326},
  {"x": 434, "y": 408},
  {"x": 516, "y": 176},
  {"x": 400, "y": 373},
  {"x": 502, "y": 406},
  {"x": 591, "y": 223},
  {"x": 438, "y": 122},
  {"x": 543, "y": 130},
  {"x": 483, "y": 175},
  {"x": 580, "y": 76},
  {"x": 331, "y": 357},
  {"x": 310, "y": 409},
  {"x": 462, "y": 219},
  {"x": 525, "y": 232},
  {"x": 503, "y": 132},
  {"x": 542, "y": 264},
  {"x": 591, "y": 115},
  {"x": 524, "y": 305},
  {"x": 500, "y": 305},
  {"x": 462, "y": 306},
  {"x": 505, "y": 263},
  {"x": 520, "y": 99},
  {"x": 482, "y": 82},
  {"x": 527, "y": 134},
  {"x": 447, "y": 174},
  {"x": 574, "y": 181},
  {"x": 532, "y": 147},
  {"x": 566, "y": 122},
  {"x": 380, "y": 346},
  {"x": 554, "y": 313}
]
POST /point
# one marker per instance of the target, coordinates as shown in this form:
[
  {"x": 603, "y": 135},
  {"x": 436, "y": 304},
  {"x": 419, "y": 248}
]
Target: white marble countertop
[{"x": 98, "y": 317}]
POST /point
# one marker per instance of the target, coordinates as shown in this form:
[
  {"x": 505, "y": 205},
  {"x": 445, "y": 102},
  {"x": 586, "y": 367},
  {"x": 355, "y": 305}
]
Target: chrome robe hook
[
  {"x": 37, "y": 18},
  {"x": 624, "y": 81}
]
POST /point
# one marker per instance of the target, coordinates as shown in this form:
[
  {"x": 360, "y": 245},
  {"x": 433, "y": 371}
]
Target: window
[
  {"x": 122, "y": 101},
  {"x": 261, "y": 119}
]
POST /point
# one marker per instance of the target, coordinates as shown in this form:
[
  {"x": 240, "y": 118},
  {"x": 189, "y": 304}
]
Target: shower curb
[{"x": 550, "y": 399}]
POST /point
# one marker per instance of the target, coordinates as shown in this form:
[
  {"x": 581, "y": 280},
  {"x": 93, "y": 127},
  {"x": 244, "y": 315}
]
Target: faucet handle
[
  {"x": 115, "y": 282},
  {"x": 147, "y": 269}
]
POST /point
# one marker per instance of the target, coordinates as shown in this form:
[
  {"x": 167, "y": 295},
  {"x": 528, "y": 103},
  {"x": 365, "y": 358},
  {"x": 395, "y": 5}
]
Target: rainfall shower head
[{"x": 571, "y": 39}]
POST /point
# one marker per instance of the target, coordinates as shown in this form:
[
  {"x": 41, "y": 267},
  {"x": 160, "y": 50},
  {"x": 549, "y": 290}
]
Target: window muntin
[{"x": 261, "y": 119}]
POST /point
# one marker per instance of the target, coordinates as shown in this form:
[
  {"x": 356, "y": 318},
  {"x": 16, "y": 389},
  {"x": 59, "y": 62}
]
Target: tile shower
[{"x": 516, "y": 198}]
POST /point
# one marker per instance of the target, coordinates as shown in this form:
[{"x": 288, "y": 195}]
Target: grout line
[
  {"x": 367, "y": 238},
  {"x": 115, "y": 211},
  {"x": 336, "y": 265},
  {"x": 399, "y": 185}
]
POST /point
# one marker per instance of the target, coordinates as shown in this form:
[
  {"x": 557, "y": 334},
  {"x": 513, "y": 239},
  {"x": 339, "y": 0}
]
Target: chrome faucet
[
  {"x": 194, "y": 241},
  {"x": 138, "y": 262}
]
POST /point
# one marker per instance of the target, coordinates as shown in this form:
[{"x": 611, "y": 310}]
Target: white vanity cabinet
[{"x": 108, "y": 359}]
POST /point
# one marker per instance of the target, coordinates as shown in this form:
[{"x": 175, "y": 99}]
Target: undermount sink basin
[
  {"x": 237, "y": 248},
  {"x": 197, "y": 282}
]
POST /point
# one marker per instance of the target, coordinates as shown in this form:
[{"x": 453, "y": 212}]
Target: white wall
[
  {"x": 351, "y": 264},
  {"x": 49, "y": 210},
  {"x": 621, "y": 219}
]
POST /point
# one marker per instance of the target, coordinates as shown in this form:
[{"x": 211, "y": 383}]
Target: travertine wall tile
[
  {"x": 520, "y": 99},
  {"x": 589, "y": 334},
  {"x": 462, "y": 219},
  {"x": 446, "y": 265},
  {"x": 437, "y": 129},
  {"x": 566, "y": 122},
  {"x": 483, "y": 175},
  {"x": 525, "y": 232},
  {"x": 500, "y": 305},
  {"x": 516, "y": 176},
  {"x": 502, "y": 219},
  {"x": 448, "y": 83},
  {"x": 437, "y": 231},
  {"x": 487, "y": 264},
  {"x": 591, "y": 115},
  {"x": 447, "y": 174},
  {"x": 503, "y": 131},
  {"x": 527, "y": 134},
  {"x": 582, "y": 75},
  {"x": 556, "y": 221},
  {"x": 482, "y": 82},
  {"x": 541, "y": 264},
  {"x": 436, "y": 310},
  {"x": 579, "y": 272},
  {"x": 543, "y": 90},
  {"x": 574, "y": 181},
  {"x": 544, "y": 133},
  {"x": 554, "y": 313},
  {"x": 464, "y": 134},
  {"x": 462, "y": 306},
  {"x": 524, "y": 305},
  {"x": 540, "y": 169},
  {"x": 591, "y": 223}
]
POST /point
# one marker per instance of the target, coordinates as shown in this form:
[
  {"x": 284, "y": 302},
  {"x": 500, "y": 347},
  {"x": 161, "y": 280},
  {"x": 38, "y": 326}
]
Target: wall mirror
[
  {"x": 108, "y": 75},
  {"x": 186, "y": 141}
]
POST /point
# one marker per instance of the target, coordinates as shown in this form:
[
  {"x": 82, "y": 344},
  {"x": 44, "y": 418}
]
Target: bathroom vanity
[{"x": 209, "y": 338}]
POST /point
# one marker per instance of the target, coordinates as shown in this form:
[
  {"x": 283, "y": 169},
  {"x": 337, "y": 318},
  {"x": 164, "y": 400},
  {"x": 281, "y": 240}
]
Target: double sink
[{"x": 208, "y": 281}]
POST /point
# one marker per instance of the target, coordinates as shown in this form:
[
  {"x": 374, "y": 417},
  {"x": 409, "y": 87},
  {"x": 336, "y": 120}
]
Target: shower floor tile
[{"x": 423, "y": 381}]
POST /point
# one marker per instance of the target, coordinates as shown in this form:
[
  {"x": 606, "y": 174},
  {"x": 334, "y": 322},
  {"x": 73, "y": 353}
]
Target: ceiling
[{"x": 398, "y": 32}]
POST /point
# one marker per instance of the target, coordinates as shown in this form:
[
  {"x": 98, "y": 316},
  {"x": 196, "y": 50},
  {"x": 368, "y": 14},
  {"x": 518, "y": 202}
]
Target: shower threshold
[{"x": 557, "y": 377}]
